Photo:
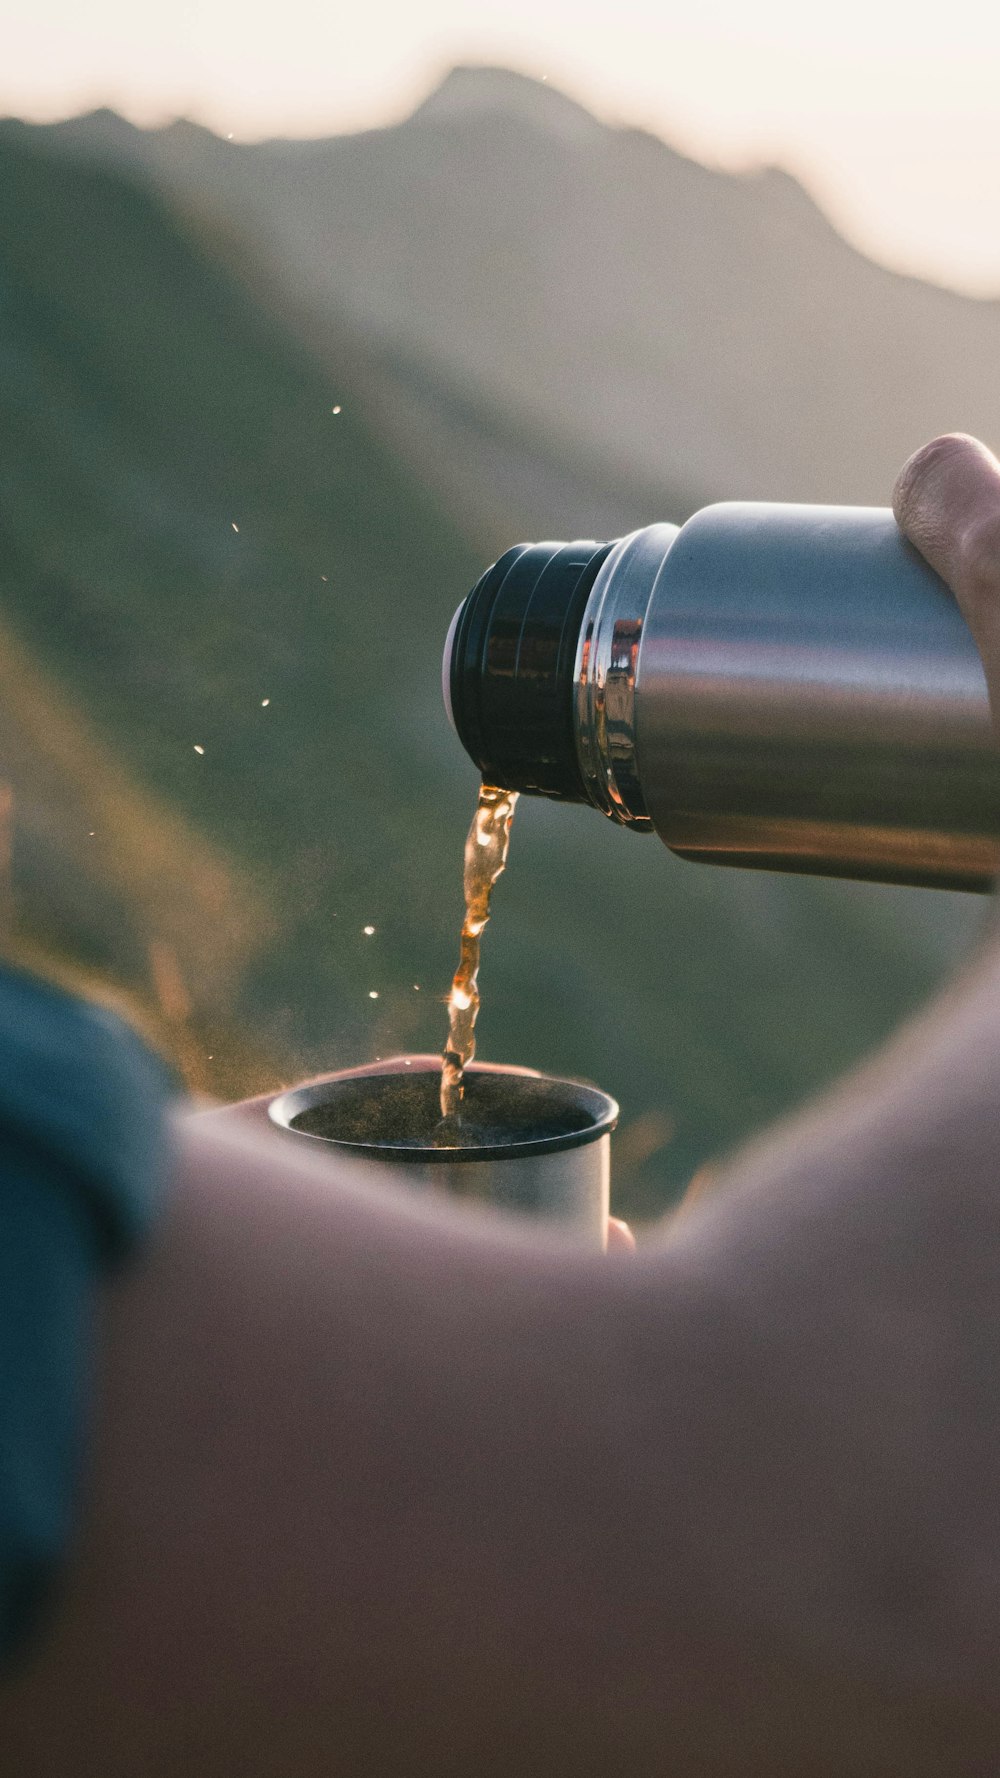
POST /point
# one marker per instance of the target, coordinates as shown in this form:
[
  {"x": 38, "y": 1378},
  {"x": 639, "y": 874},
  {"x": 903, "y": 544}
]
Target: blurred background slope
[{"x": 266, "y": 413}]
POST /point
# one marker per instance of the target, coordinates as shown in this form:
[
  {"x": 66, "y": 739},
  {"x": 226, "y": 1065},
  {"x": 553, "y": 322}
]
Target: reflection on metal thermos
[{"x": 790, "y": 687}]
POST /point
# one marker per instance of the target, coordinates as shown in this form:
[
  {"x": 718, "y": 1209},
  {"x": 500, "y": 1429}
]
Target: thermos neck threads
[{"x": 513, "y": 664}]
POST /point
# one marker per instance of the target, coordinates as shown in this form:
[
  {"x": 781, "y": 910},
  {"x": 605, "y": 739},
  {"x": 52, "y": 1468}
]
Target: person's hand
[
  {"x": 620, "y": 1236},
  {"x": 947, "y": 502}
]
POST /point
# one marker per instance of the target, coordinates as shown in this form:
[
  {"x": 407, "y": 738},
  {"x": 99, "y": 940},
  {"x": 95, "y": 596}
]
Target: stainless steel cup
[{"x": 528, "y": 1144}]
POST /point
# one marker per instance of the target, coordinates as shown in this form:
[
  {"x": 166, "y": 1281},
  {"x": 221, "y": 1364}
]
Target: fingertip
[
  {"x": 930, "y": 472},
  {"x": 620, "y": 1236}
]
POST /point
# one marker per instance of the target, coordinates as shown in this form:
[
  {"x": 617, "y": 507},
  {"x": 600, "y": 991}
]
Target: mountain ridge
[{"x": 672, "y": 322}]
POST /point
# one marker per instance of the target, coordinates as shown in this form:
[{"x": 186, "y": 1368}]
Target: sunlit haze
[{"x": 886, "y": 111}]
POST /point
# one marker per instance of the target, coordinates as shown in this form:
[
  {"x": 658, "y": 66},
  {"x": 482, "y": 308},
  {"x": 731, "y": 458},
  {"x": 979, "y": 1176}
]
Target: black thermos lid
[{"x": 513, "y": 655}]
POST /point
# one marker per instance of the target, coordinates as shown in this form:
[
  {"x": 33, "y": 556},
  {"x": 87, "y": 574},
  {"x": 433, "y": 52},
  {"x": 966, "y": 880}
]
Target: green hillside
[{"x": 188, "y": 529}]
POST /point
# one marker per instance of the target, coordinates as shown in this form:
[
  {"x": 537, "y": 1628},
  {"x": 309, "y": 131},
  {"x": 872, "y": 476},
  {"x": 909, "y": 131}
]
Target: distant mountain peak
[
  {"x": 468, "y": 91},
  {"x": 100, "y": 126},
  {"x": 184, "y": 129}
]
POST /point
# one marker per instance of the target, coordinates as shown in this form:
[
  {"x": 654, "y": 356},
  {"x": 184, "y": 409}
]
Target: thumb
[{"x": 947, "y": 502}]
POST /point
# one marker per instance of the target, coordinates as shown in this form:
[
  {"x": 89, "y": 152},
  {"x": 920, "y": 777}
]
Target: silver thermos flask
[{"x": 788, "y": 687}]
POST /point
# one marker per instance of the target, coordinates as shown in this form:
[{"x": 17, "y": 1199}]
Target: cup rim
[{"x": 599, "y": 1106}]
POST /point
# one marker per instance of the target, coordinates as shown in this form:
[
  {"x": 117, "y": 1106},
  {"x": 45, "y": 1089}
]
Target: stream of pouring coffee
[{"x": 485, "y": 856}]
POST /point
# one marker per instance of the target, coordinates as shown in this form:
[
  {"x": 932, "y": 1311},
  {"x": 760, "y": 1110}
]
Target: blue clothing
[{"x": 82, "y": 1157}]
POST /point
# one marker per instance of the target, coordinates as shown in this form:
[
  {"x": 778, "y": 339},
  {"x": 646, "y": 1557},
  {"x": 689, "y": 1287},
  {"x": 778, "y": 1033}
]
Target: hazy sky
[{"x": 890, "y": 113}]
